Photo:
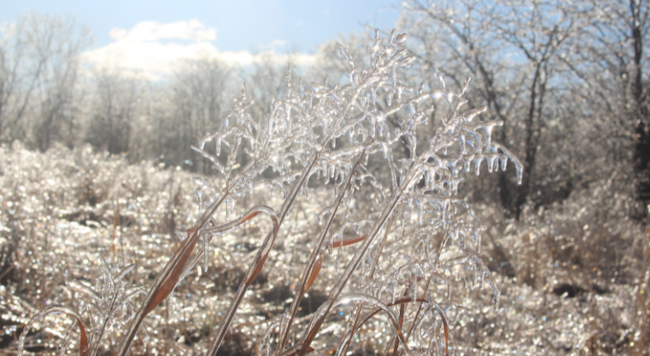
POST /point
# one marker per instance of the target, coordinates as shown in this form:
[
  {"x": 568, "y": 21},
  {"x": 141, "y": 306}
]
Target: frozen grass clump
[{"x": 415, "y": 240}]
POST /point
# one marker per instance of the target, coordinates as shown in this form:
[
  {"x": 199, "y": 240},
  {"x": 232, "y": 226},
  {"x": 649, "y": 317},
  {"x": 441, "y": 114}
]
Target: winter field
[{"x": 404, "y": 193}]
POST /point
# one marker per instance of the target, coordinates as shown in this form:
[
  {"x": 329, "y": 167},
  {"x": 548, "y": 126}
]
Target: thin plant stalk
[
  {"x": 420, "y": 300},
  {"x": 345, "y": 342},
  {"x": 101, "y": 332},
  {"x": 307, "y": 274},
  {"x": 323, "y": 312},
  {"x": 168, "y": 278},
  {"x": 257, "y": 264}
]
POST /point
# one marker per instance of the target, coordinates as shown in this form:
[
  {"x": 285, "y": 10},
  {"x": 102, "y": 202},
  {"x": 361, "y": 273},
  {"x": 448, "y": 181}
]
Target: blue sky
[
  {"x": 244, "y": 25},
  {"x": 150, "y": 38}
]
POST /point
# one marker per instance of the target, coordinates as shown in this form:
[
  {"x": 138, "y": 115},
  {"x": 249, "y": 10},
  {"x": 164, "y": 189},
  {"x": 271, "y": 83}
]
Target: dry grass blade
[
  {"x": 83, "y": 339},
  {"x": 314, "y": 273},
  {"x": 184, "y": 250},
  {"x": 84, "y": 350},
  {"x": 349, "y": 242}
]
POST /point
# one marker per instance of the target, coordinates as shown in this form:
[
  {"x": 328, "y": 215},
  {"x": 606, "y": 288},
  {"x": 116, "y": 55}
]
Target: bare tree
[
  {"x": 265, "y": 80},
  {"x": 611, "y": 68},
  {"x": 113, "y": 112},
  {"x": 39, "y": 66},
  {"x": 195, "y": 101},
  {"x": 513, "y": 48},
  {"x": 18, "y": 79}
]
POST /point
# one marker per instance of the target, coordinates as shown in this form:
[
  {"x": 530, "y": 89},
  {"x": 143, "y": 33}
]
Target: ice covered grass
[{"x": 334, "y": 224}]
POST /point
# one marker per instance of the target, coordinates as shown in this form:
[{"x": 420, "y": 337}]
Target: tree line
[
  {"x": 49, "y": 96},
  {"x": 568, "y": 80}
]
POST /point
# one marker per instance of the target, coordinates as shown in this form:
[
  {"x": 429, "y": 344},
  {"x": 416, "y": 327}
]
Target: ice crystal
[{"x": 107, "y": 305}]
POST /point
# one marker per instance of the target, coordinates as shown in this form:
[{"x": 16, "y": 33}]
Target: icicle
[
  {"x": 477, "y": 163},
  {"x": 205, "y": 251}
]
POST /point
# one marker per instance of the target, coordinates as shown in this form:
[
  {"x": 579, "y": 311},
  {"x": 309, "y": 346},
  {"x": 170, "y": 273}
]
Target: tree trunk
[{"x": 642, "y": 136}]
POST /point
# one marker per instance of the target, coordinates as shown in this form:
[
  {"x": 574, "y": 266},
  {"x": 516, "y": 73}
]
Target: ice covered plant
[
  {"x": 103, "y": 312},
  {"x": 390, "y": 157}
]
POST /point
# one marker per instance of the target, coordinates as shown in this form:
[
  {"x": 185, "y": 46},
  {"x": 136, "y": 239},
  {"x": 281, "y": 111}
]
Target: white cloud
[
  {"x": 278, "y": 42},
  {"x": 193, "y": 30},
  {"x": 140, "y": 50}
]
